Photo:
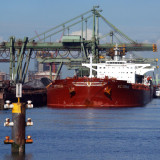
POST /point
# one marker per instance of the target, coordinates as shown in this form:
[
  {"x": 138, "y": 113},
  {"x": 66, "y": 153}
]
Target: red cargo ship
[{"x": 117, "y": 84}]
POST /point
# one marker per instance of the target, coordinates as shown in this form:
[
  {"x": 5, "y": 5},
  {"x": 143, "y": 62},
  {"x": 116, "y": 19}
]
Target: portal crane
[{"x": 75, "y": 48}]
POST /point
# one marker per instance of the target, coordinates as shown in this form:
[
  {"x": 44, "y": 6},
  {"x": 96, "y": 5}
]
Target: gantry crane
[{"x": 75, "y": 48}]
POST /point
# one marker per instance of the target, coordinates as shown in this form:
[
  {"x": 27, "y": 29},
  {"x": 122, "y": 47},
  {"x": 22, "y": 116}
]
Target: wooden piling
[{"x": 18, "y": 130}]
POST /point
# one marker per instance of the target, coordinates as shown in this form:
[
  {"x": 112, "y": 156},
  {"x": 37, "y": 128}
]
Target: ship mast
[
  {"x": 90, "y": 72},
  {"x": 116, "y": 56}
]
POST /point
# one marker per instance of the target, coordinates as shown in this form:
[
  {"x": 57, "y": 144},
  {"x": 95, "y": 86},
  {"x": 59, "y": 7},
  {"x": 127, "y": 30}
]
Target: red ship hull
[{"x": 95, "y": 92}]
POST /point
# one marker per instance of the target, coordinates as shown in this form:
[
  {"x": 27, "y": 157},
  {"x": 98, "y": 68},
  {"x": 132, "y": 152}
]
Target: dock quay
[{"x": 34, "y": 90}]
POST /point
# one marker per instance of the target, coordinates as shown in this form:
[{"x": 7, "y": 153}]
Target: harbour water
[{"x": 89, "y": 134}]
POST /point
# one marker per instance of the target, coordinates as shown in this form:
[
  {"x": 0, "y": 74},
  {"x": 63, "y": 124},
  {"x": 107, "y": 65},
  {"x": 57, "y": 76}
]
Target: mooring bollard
[{"x": 19, "y": 123}]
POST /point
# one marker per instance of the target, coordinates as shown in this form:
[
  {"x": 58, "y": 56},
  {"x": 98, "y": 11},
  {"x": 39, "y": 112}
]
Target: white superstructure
[{"x": 119, "y": 69}]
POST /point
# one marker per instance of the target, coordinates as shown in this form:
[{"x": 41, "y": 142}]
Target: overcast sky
[{"x": 139, "y": 19}]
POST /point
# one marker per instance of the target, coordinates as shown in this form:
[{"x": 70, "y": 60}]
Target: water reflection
[
  {"x": 90, "y": 134},
  {"x": 16, "y": 156}
]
